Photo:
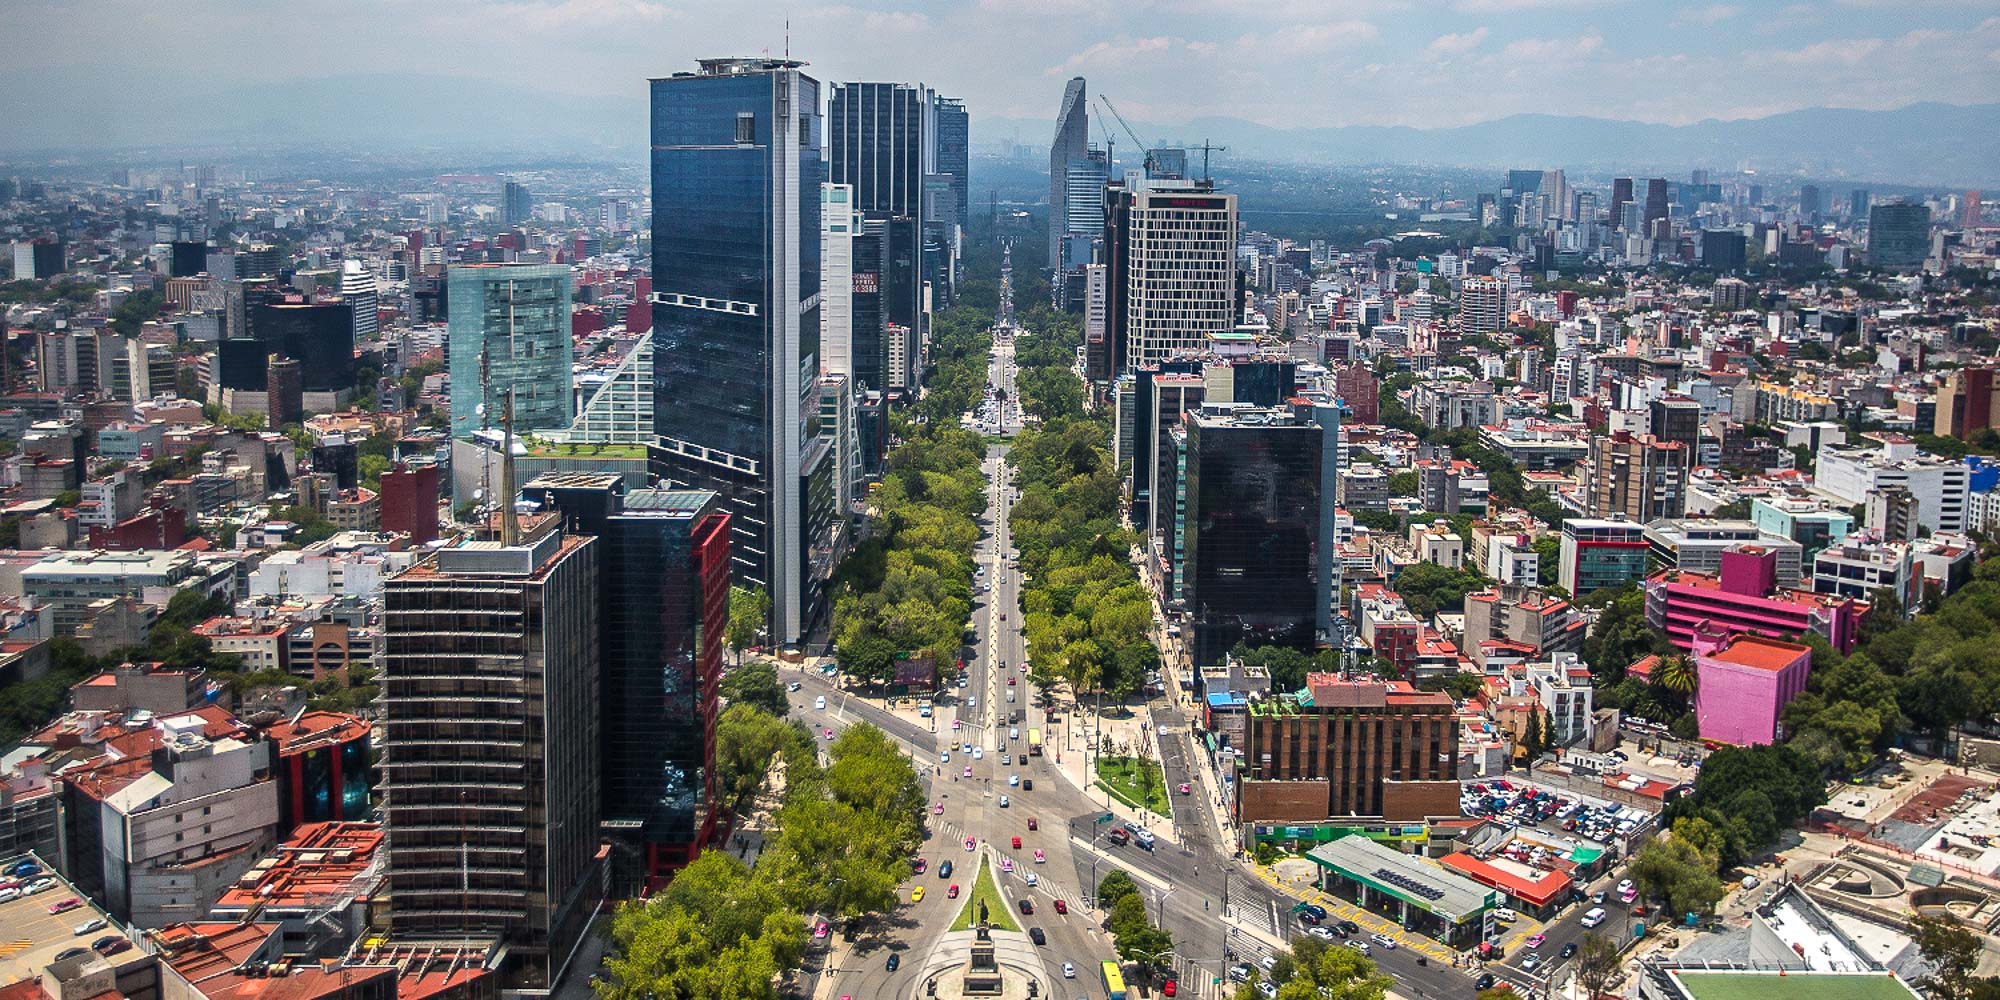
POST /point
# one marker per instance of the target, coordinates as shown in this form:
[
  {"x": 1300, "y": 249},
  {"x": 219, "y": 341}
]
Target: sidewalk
[
  {"x": 1070, "y": 747},
  {"x": 1300, "y": 888}
]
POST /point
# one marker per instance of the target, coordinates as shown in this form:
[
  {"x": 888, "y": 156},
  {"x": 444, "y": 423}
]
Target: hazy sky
[{"x": 1279, "y": 62}]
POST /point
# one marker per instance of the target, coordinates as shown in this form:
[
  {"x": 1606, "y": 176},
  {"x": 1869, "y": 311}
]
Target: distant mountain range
[{"x": 1923, "y": 144}]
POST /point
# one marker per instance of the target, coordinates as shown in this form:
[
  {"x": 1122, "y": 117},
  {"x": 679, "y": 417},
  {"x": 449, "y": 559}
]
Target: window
[{"x": 746, "y": 128}]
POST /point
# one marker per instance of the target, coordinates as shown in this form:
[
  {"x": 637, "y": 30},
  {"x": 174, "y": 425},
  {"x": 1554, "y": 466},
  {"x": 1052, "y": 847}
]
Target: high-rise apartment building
[
  {"x": 1071, "y": 141},
  {"x": 1899, "y": 235},
  {"x": 1965, "y": 403},
  {"x": 838, "y": 226},
  {"x": 736, "y": 288},
  {"x": 1638, "y": 477},
  {"x": 509, "y": 333},
  {"x": 1171, "y": 255},
  {"x": 663, "y": 606},
  {"x": 357, "y": 287},
  {"x": 284, "y": 392},
  {"x": 490, "y": 703},
  {"x": 1482, "y": 305}
]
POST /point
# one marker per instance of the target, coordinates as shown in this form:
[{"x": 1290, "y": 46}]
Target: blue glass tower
[
  {"x": 509, "y": 329},
  {"x": 736, "y": 267}
]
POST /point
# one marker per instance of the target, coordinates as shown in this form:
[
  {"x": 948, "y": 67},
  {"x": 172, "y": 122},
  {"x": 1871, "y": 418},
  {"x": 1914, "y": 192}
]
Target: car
[
  {"x": 1535, "y": 940},
  {"x": 819, "y": 703},
  {"x": 968, "y": 770},
  {"x": 820, "y": 930},
  {"x": 1267, "y": 991},
  {"x": 1626, "y": 886},
  {"x": 978, "y": 753},
  {"x": 1322, "y": 933},
  {"x": 1027, "y": 907},
  {"x": 1069, "y": 970},
  {"x": 1027, "y": 784},
  {"x": 829, "y": 734},
  {"x": 1035, "y": 934},
  {"x": 1003, "y": 801},
  {"x": 69, "y": 953},
  {"x": 1568, "y": 950},
  {"x": 25, "y": 869},
  {"x": 65, "y": 905},
  {"x": 944, "y": 756},
  {"x": 1007, "y": 864},
  {"x": 88, "y": 926},
  {"x": 1013, "y": 732},
  {"x": 1013, "y": 781},
  {"x": 937, "y": 808},
  {"x": 1388, "y": 943},
  {"x": 1007, "y": 760},
  {"x": 1010, "y": 682},
  {"x": 1593, "y": 918},
  {"x": 1061, "y": 906},
  {"x": 1318, "y": 911},
  {"x": 967, "y": 748},
  {"x": 1031, "y": 879},
  {"x": 1506, "y": 915},
  {"x": 1118, "y": 837},
  {"x": 1531, "y": 963},
  {"x": 1039, "y": 859},
  {"x": 1240, "y": 972},
  {"x": 793, "y": 686},
  {"x": 917, "y": 894},
  {"x": 1186, "y": 789},
  {"x": 1308, "y": 919},
  {"x": 1003, "y": 616},
  {"x": 952, "y": 893},
  {"x": 918, "y": 865},
  {"x": 1032, "y": 825},
  {"x": 1597, "y": 897},
  {"x": 1484, "y": 982},
  {"x": 1169, "y": 988},
  {"x": 7, "y": 894},
  {"x": 1361, "y": 946},
  {"x": 895, "y": 962},
  {"x": 972, "y": 701},
  {"x": 38, "y": 885},
  {"x": 957, "y": 724},
  {"x": 944, "y": 869},
  {"x": 1017, "y": 843}
]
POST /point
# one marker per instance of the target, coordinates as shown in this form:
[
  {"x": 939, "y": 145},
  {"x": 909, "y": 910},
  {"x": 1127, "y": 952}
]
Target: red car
[
  {"x": 1062, "y": 907},
  {"x": 1032, "y": 825},
  {"x": 65, "y": 905},
  {"x": 1017, "y": 843},
  {"x": 1169, "y": 988},
  {"x": 952, "y": 893}
]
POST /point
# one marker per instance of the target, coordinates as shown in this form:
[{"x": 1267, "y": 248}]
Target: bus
[
  {"x": 1114, "y": 983},
  {"x": 1034, "y": 743}
]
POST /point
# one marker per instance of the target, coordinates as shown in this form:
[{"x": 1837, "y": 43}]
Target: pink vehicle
[{"x": 1038, "y": 857}]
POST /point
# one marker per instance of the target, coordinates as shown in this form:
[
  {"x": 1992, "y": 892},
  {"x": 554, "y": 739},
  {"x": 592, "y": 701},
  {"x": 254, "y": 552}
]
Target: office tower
[
  {"x": 663, "y": 585},
  {"x": 1083, "y": 224},
  {"x": 1521, "y": 182},
  {"x": 954, "y": 149},
  {"x": 284, "y": 392},
  {"x": 516, "y": 204},
  {"x": 1254, "y": 490},
  {"x": 876, "y": 143},
  {"x": 509, "y": 332},
  {"x": 1969, "y": 211},
  {"x": 736, "y": 319},
  {"x": 902, "y": 297},
  {"x": 1811, "y": 203},
  {"x": 1899, "y": 235},
  {"x": 1097, "y": 337},
  {"x": 1656, "y": 201},
  {"x": 1598, "y": 554},
  {"x": 1965, "y": 403},
  {"x": 259, "y": 260},
  {"x": 1483, "y": 304},
  {"x": 838, "y": 222},
  {"x": 490, "y": 744},
  {"x": 839, "y": 423},
  {"x": 1698, "y": 177},
  {"x": 186, "y": 258},
  {"x": 1170, "y": 249},
  {"x": 1554, "y": 189},
  {"x": 340, "y": 459},
  {"x": 409, "y": 498},
  {"x": 318, "y": 335},
  {"x": 1677, "y": 419},
  {"x": 1724, "y": 251},
  {"x": 1375, "y": 749},
  {"x": 1637, "y": 477},
  {"x": 357, "y": 287},
  {"x": 868, "y": 324},
  {"x": 1857, "y": 204},
  {"x": 1071, "y": 141},
  {"x": 41, "y": 258}
]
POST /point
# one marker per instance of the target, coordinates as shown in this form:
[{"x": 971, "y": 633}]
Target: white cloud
[
  {"x": 1517, "y": 6},
  {"x": 1456, "y": 43},
  {"x": 547, "y": 15},
  {"x": 1714, "y": 13},
  {"x": 1310, "y": 39},
  {"x": 1536, "y": 50},
  {"x": 1111, "y": 55}
]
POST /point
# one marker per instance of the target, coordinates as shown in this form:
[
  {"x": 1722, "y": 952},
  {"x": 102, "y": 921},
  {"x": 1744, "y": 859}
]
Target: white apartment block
[
  {"x": 1181, "y": 270},
  {"x": 1941, "y": 487}
]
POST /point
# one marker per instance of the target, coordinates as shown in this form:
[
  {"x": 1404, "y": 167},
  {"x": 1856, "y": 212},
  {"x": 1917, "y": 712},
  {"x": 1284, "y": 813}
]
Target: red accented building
[
  {"x": 322, "y": 769},
  {"x": 409, "y": 502},
  {"x": 158, "y": 528}
]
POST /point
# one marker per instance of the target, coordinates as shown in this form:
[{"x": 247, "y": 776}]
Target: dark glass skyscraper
[
  {"x": 876, "y": 141},
  {"x": 954, "y": 152},
  {"x": 318, "y": 335},
  {"x": 1899, "y": 235},
  {"x": 736, "y": 267}
]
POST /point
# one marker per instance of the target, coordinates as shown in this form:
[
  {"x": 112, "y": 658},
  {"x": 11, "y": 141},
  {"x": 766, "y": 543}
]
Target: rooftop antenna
[
  {"x": 510, "y": 525},
  {"x": 788, "y": 39}
]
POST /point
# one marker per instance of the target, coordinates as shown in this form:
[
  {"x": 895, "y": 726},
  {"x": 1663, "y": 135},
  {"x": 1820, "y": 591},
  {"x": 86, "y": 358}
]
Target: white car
[
  {"x": 978, "y": 753},
  {"x": 1013, "y": 781},
  {"x": 1069, "y": 971},
  {"x": 1320, "y": 932},
  {"x": 819, "y": 703},
  {"x": 1625, "y": 886},
  {"x": 1031, "y": 879},
  {"x": 972, "y": 701},
  {"x": 793, "y": 686},
  {"x": 1388, "y": 943},
  {"x": 1003, "y": 801}
]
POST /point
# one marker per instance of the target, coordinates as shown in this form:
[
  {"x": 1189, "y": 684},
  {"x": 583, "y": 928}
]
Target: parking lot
[{"x": 31, "y": 937}]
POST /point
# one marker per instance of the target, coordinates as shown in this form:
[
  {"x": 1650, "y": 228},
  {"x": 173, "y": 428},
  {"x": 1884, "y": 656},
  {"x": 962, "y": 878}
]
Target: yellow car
[{"x": 917, "y": 894}]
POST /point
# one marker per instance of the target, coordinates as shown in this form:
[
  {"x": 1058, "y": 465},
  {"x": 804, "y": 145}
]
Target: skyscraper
[
  {"x": 1171, "y": 251},
  {"x": 1621, "y": 196},
  {"x": 954, "y": 150},
  {"x": 880, "y": 141},
  {"x": 516, "y": 204},
  {"x": 509, "y": 330},
  {"x": 357, "y": 286},
  {"x": 838, "y": 225},
  {"x": 1656, "y": 201},
  {"x": 1899, "y": 235},
  {"x": 489, "y": 693},
  {"x": 1724, "y": 251},
  {"x": 736, "y": 285},
  {"x": 1811, "y": 203},
  {"x": 1857, "y": 204},
  {"x": 1071, "y": 140},
  {"x": 663, "y": 605}
]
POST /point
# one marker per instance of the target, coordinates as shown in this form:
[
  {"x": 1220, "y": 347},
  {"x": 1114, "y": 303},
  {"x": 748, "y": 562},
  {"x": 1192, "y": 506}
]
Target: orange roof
[
  {"x": 1760, "y": 653},
  {"x": 1545, "y": 888},
  {"x": 200, "y": 952},
  {"x": 321, "y": 859},
  {"x": 315, "y": 729}
]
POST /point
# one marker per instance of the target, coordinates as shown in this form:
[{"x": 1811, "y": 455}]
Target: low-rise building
[
  {"x": 1746, "y": 598},
  {"x": 1743, "y": 683},
  {"x": 1696, "y": 545},
  {"x": 1599, "y": 554}
]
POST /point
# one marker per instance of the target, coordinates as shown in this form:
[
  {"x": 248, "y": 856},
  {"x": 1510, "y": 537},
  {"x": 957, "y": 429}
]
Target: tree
[
  {"x": 1313, "y": 970},
  {"x": 1675, "y": 872},
  {"x": 1952, "y": 953},
  {"x": 747, "y": 741},
  {"x": 756, "y": 684},
  {"x": 749, "y": 611},
  {"x": 1596, "y": 962},
  {"x": 1677, "y": 675},
  {"x": 1114, "y": 886}
]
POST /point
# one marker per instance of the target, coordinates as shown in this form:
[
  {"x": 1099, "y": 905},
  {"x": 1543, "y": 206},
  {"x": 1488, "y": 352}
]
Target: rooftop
[
  {"x": 1418, "y": 881},
  {"x": 1758, "y": 652},
  {"x": 1697, "y": 984}
]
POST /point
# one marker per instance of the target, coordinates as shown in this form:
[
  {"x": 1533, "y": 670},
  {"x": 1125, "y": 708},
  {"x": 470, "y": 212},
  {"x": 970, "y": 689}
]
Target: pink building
[
  {"x": 1744, "y": 599},
  {"x": 1743, "y": 682}
]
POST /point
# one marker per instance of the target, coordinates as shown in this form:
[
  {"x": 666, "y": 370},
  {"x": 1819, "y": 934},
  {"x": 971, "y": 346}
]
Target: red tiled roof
[
  {"x": 1541, "y": 891},
  {"x": 1760, "y": 653}
]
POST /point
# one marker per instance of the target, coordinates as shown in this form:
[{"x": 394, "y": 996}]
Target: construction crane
[
  {"x": 1144, "y": 146},
  {"x": 1205, "y": 150}
]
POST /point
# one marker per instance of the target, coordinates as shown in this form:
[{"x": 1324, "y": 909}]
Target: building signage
[{"x": 866, "y": 282}]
